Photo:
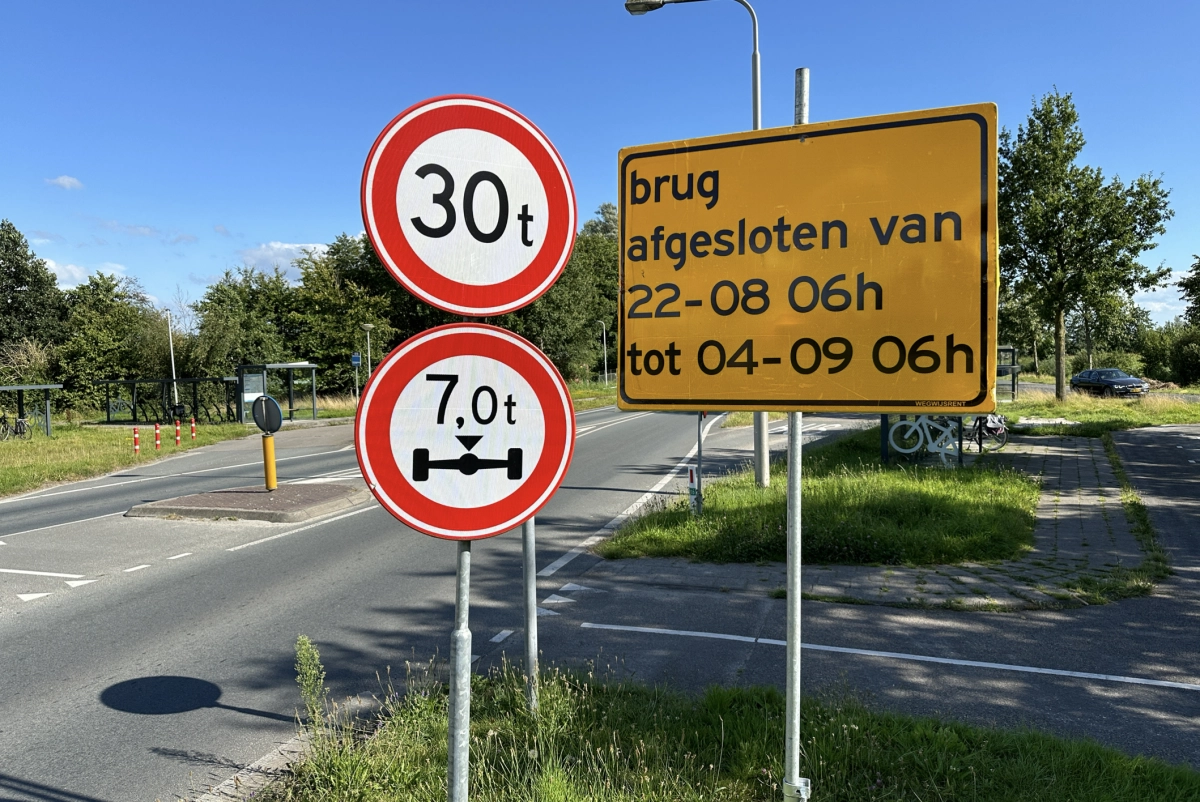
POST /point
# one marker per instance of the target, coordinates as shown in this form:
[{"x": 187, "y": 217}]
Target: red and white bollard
[
  {"x": 137, "y": 443},
  {"x": 176, "y": 434},
  {"x": 193, "y": 428},
  {"x": 157, "y": 438}
]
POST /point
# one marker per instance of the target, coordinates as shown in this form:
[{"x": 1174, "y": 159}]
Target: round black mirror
[{"x": 267, "y": 414}]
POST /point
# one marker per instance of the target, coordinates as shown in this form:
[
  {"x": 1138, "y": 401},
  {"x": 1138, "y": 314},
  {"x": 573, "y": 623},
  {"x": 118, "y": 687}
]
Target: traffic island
[{"x": 287, "y": 505}]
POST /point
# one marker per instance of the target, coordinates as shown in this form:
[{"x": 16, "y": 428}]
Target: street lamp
[
  {"x": 367, "y": 328},
  {"x": 640, "y": 7},
  {"x": 762, "y": 473}
]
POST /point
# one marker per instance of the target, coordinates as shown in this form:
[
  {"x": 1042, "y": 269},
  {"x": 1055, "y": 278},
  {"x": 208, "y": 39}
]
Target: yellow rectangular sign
[{"x": 845, "y": 265}]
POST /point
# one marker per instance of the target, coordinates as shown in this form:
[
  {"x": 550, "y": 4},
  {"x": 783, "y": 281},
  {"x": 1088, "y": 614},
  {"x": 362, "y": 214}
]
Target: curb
[{"x": 260, "y": 773}]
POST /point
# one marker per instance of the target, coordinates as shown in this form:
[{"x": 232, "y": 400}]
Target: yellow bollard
[{"x": 269, "y": 460}]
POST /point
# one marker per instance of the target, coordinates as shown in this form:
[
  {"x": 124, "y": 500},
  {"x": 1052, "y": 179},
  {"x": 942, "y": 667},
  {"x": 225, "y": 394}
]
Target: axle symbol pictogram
[{"x": 468, "y": 464}]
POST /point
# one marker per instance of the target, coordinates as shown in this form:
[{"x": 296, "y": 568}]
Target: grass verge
[
  {"x": 604, "y": 741},
  {"x": 80, "y": 452},
  {"x": 591, "y": 395},
  {"x": 743, "y": 418},
  {"x": 856, "y": 511},
  {"x": 1097, "y": 416}
]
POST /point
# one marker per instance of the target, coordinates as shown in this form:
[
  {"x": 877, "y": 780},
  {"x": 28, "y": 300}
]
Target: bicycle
[
  {"x": 989, "y": 433},
  {"x": 937, "y": 436},
  {"x": 5, "y": 429}
]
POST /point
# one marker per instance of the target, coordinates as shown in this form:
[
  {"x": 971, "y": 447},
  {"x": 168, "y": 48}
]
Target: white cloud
[
  {"x": 222, "y": 230},
  {"x": 135, "y": 230},
  {"x": 65, "y": 182},
  {"x": 68, "y": 275},
  {"x": 112, "y": 267},
  {"x": 182, "y": 238},
  {"x": 266, "y": 256}
]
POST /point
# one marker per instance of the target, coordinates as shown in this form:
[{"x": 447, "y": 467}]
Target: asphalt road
[
  {"x": 148, "y": 659},
  {"x": 171, "y": 668}
]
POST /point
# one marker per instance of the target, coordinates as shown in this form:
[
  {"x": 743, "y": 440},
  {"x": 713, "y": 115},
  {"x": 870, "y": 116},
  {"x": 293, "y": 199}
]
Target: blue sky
[{"x": 171, "y": 142}]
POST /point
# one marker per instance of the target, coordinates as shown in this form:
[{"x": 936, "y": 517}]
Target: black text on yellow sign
[{"x": 846, "y": 265}]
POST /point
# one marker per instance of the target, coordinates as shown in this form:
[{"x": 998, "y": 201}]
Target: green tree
[
  {"x": 107, "y": 317},
  {"x": 1111, "y": 322},
  {"x": 604, "y": 224},
  {"x": 31, "y": 304},
  {"x": 1066, "y": 234},
  {"x": 1189, "y": 287},
  {"x": 247, "y": 317},
  {"x": 330, "y": 308}
]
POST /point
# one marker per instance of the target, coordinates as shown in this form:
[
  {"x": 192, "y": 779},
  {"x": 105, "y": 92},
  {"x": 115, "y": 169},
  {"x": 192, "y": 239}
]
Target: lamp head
[
  {"x": 368, "y": 326},
  {"x": 639, "y": 7}
]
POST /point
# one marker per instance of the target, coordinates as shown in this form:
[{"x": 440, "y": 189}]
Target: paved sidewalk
[{"x": 1081, "y": 532}]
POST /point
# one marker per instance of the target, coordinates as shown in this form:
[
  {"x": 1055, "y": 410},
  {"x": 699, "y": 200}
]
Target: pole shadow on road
[
  {"x": 166, "y": 695},
  {"x": 28, "y": 790}
]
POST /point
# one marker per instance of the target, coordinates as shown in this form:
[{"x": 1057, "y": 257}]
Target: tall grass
[
  {"x": 855, "y": 511},
  {"x": 80, "y": 452},
  {"x": 592, "y": 394},
  {"x": 1096, "y": 415},
  {"x": 596, "y": 740}
]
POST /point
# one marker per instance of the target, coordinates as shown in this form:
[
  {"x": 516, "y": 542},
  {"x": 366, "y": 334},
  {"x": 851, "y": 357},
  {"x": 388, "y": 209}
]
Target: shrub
[{"x": 1121, "y": 360}]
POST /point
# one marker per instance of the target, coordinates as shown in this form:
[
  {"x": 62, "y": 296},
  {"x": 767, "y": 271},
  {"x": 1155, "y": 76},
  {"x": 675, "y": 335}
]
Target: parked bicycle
[
  {"x": 989, "y": 432},
  {"x": 936, "y": 435},
  {"x": 19, "y": 428}
]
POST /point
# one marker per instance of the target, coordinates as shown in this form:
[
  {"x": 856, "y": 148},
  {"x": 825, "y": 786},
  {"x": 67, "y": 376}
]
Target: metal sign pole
[
  {"x": 531, "y": 627},
  {"x": 699, "y": 462},
  {"x": 460, "y": 681},
  {"x": 794, "y": 786}
]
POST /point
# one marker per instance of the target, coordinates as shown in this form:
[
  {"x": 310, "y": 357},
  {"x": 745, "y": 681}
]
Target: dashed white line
[
  {"x": 500, "y": 636},
  {"x": 40, "y": 573},
  {"x": 1187, "y": 686},
  {"x": 180, "y": 556},
  {"x": 602, "y": 426},
  {"x": 136, "y": 568},
  {"x": 31, "y": 596}
]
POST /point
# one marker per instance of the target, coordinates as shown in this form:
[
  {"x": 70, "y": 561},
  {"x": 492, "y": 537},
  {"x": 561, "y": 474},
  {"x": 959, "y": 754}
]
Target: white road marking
[
  {"x": 136, "y": 568},
  {"x": 65, "y": 523},
  {"x": 572, "y": 586},
  {"x": 303, "y": 528},
  {"x": 31, "y": 596},
  {"x": 501, "y": 636},
  {"x": 2, "y": 543},
  {"x": 78, "y": 583},
  {"x": 554, "y": 598},
  {"x": 347, "y": 448},
  {"x": 180, "y": 556},
  {"x": 40, "y": 573},
  {"x": 543, "y": 611},
  {"x": 153, "y": 478},
  {"x": 602, "y": 426},
  {"x": 1161, "y": 683},
  {"x": 594, "y": 409},
  {"x": 611, "y": 526}
]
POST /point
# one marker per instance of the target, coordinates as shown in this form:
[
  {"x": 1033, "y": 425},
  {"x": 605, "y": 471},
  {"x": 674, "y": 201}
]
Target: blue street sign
[{"x": 356, "y": 359}]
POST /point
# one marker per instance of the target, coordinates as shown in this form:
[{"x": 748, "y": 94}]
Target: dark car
[{"x": 1109, "y": 382}]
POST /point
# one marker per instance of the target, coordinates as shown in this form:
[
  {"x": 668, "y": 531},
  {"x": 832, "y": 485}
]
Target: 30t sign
[{"x": 468, "y": 205}]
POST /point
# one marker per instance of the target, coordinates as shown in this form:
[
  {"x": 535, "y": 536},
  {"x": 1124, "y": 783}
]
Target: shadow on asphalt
[
  {"x": 36, "y": 791},
  {"x": 165, "y": 696}
]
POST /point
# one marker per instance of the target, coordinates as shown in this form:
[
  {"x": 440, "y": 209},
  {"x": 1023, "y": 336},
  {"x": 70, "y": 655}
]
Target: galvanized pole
[
  {"x": 171, "y": 343},
  {"x": 794, "y": 786},
  {"x": 460, "y": 681},
  {"x": 699, "y": 462},
  {"x": 604, "y": 344},
  {"x": 762, "y": 454},
  {"x": 531, "y": 629}
]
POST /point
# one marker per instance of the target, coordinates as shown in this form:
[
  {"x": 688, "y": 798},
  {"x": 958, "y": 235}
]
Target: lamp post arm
[{"x": 755, "y": 69}]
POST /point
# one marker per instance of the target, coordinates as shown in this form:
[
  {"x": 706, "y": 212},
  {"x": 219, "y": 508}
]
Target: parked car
[{"x": 1109, "y": 382}]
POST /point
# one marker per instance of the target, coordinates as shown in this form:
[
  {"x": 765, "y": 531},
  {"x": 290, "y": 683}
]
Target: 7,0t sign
[
  {"x": 837, "y": 266},
  {"x": 468, "y": 205},
  {"x": 465, "y": 431}
]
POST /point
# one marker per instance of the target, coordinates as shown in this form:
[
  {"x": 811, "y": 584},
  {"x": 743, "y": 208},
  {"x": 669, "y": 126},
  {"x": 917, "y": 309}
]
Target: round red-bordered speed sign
[
  {"x": 468, "y": 205},
  {"x": 465, "y": 431}
]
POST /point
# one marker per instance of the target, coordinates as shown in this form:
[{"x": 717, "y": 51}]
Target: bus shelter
[
  {"x": 252, "y": 381},
  {"x": 20, "y": 389}
]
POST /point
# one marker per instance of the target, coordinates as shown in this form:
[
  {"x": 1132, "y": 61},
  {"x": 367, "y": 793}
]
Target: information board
[{"x": 845, "y": 265}]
